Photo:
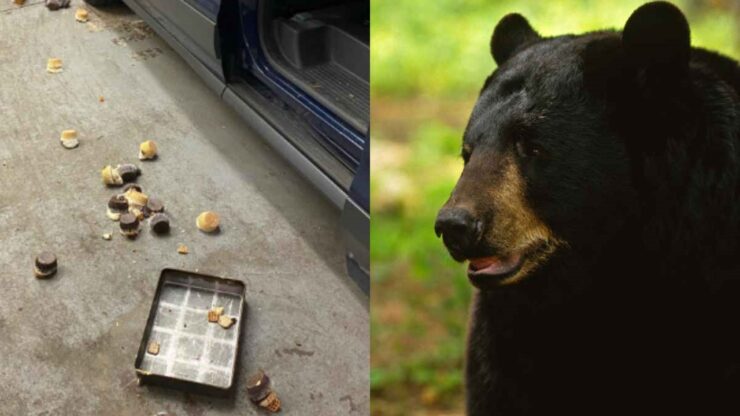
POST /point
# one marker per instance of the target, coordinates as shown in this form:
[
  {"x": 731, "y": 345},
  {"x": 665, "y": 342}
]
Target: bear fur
[{"x": 628, "y": 149}]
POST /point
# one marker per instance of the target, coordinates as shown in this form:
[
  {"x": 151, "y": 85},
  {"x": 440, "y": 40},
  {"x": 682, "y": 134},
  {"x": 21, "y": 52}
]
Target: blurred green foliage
[
  {"x": 441, "y": 47},
  {"x": 428, "y": 60}
]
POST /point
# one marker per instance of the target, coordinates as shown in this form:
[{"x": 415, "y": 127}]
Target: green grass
[{"x": 428, "y": 60}]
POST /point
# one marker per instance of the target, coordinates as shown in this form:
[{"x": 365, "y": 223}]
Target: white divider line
[
  {"x": 192, "y": 362},
  {"x": 209, "y": 337},
  {"x": 172, "y": 305},
  {"x": 201, "y": 288},
  {"x": 172, "y": 349},
  {"x": 195, "y": 336}
]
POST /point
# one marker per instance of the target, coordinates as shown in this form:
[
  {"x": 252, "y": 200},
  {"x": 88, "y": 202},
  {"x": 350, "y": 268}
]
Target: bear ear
[
  {"x": 511, "y": 32},
  {"x": 656, "y": 36}
]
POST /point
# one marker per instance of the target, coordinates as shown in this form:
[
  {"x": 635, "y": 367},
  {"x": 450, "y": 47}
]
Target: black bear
[{"x": 599, "y": 211}]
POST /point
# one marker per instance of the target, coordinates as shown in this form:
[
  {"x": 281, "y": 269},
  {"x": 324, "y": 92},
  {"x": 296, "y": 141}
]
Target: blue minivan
[{"x": 298, "y": 72}]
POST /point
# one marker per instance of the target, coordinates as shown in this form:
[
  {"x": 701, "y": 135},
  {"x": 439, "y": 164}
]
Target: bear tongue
[{"x": 494, "y": 265}]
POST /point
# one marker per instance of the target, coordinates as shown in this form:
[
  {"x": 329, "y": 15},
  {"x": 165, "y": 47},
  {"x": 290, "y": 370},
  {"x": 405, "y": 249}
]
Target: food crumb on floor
[
  {"x": 182, "y": 249},
  {"x": 54, "y": 65}
]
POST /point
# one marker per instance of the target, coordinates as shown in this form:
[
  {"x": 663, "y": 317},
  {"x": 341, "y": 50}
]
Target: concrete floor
[{"x": 67, "y": 345}]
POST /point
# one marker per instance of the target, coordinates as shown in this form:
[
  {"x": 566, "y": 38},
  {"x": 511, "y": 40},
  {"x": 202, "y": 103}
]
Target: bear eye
[
  {"x": 527, "y": 150},
  {"x": 465, "y": 153}
]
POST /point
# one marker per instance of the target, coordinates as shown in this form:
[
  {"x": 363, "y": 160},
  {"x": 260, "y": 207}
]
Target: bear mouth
[{"x": 490, "y": 272}]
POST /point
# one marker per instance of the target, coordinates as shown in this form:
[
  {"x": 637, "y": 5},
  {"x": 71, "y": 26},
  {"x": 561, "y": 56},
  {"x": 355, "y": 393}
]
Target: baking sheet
[{"x": 191, "y": 348}]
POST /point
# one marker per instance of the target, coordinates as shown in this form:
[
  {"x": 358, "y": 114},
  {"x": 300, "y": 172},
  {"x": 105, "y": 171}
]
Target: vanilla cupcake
[
  {"x": 148, "y": 150},
  {"x": 208, "y": 222},
  {"x": 111, "y": 176},
  {"x": 69, "y": 139}
]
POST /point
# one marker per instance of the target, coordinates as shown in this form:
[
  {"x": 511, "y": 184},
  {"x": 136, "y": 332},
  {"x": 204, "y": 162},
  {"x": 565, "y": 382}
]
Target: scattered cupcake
[
  {"x": 117, "y": 205},
  {"x": 69, "y": 139},
  {"x": 45, "y": 265},
  {"x": 147, "y": 150},
  {"x": 54, "y": 65},
  {"x": 129, "y": 225},
  {"x": 208, "y": 221}
]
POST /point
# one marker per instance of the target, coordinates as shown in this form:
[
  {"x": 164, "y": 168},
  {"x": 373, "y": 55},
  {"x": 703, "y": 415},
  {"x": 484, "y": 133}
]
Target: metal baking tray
[{"x": 194, "y": 354}]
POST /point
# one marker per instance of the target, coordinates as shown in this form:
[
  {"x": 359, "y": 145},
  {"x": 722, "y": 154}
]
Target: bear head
[{"x": 551, "y": 145}]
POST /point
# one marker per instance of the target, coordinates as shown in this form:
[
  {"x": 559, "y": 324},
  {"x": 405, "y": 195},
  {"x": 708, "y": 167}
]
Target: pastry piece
[
  {"x": 136, "y": 199},
  {"x": 159, "y": 223},
  {"x": 128, "y": 172},
  {"x": 215, "y": 313},
  {"x": 117, "y": 205},
  {"x": 208, "y": 221},
  {"x": 182, "y": 249},
  {"x": 153, "y": 348},
  {"x": 129, "y": 225},
  {"x": 226, "y": 321},
  {"x": 45, "y": 265},
  {"x": 147, "y": 150},
  {"x": 138, "y": 212},
  {"x": 111, "y": 176},
  {"x": 69, "y": 139},
  {"x": 81, "y": 15},
  {"x": 271, "y": 403},
  {"x": 54, "y": 65}
]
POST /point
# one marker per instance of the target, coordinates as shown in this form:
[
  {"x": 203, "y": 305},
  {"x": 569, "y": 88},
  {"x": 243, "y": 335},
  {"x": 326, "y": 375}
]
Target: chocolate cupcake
[
  {"x": 134, "y": 186},
  {"x": 159, "y": 223},
  {"x": 128, "y": 172},
  {"x": 153, "y": 206},
  {"x": 129, "y": 225},
  {"x": 45, "y": 265},
  {"x": 117, "y": 205},
  {"x": 258, "y": 386}
]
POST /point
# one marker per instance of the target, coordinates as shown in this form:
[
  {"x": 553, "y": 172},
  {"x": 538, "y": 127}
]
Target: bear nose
[{"x": 458, "y": 228}]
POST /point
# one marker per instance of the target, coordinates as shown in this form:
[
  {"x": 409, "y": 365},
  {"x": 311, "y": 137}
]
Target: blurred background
[{"x": 428, "y": 61}]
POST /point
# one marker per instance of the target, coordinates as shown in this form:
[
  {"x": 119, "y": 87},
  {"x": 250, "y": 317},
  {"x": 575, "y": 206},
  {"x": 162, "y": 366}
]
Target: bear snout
[{"x": 460, "y": 230}]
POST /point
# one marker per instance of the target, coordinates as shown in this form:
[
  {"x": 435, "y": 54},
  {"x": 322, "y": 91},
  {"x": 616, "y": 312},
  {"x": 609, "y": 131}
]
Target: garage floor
[{"x": 67, "y": 345}]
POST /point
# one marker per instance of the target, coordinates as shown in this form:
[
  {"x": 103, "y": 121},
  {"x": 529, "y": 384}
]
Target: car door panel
[{"x": 192, "y": 25}]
